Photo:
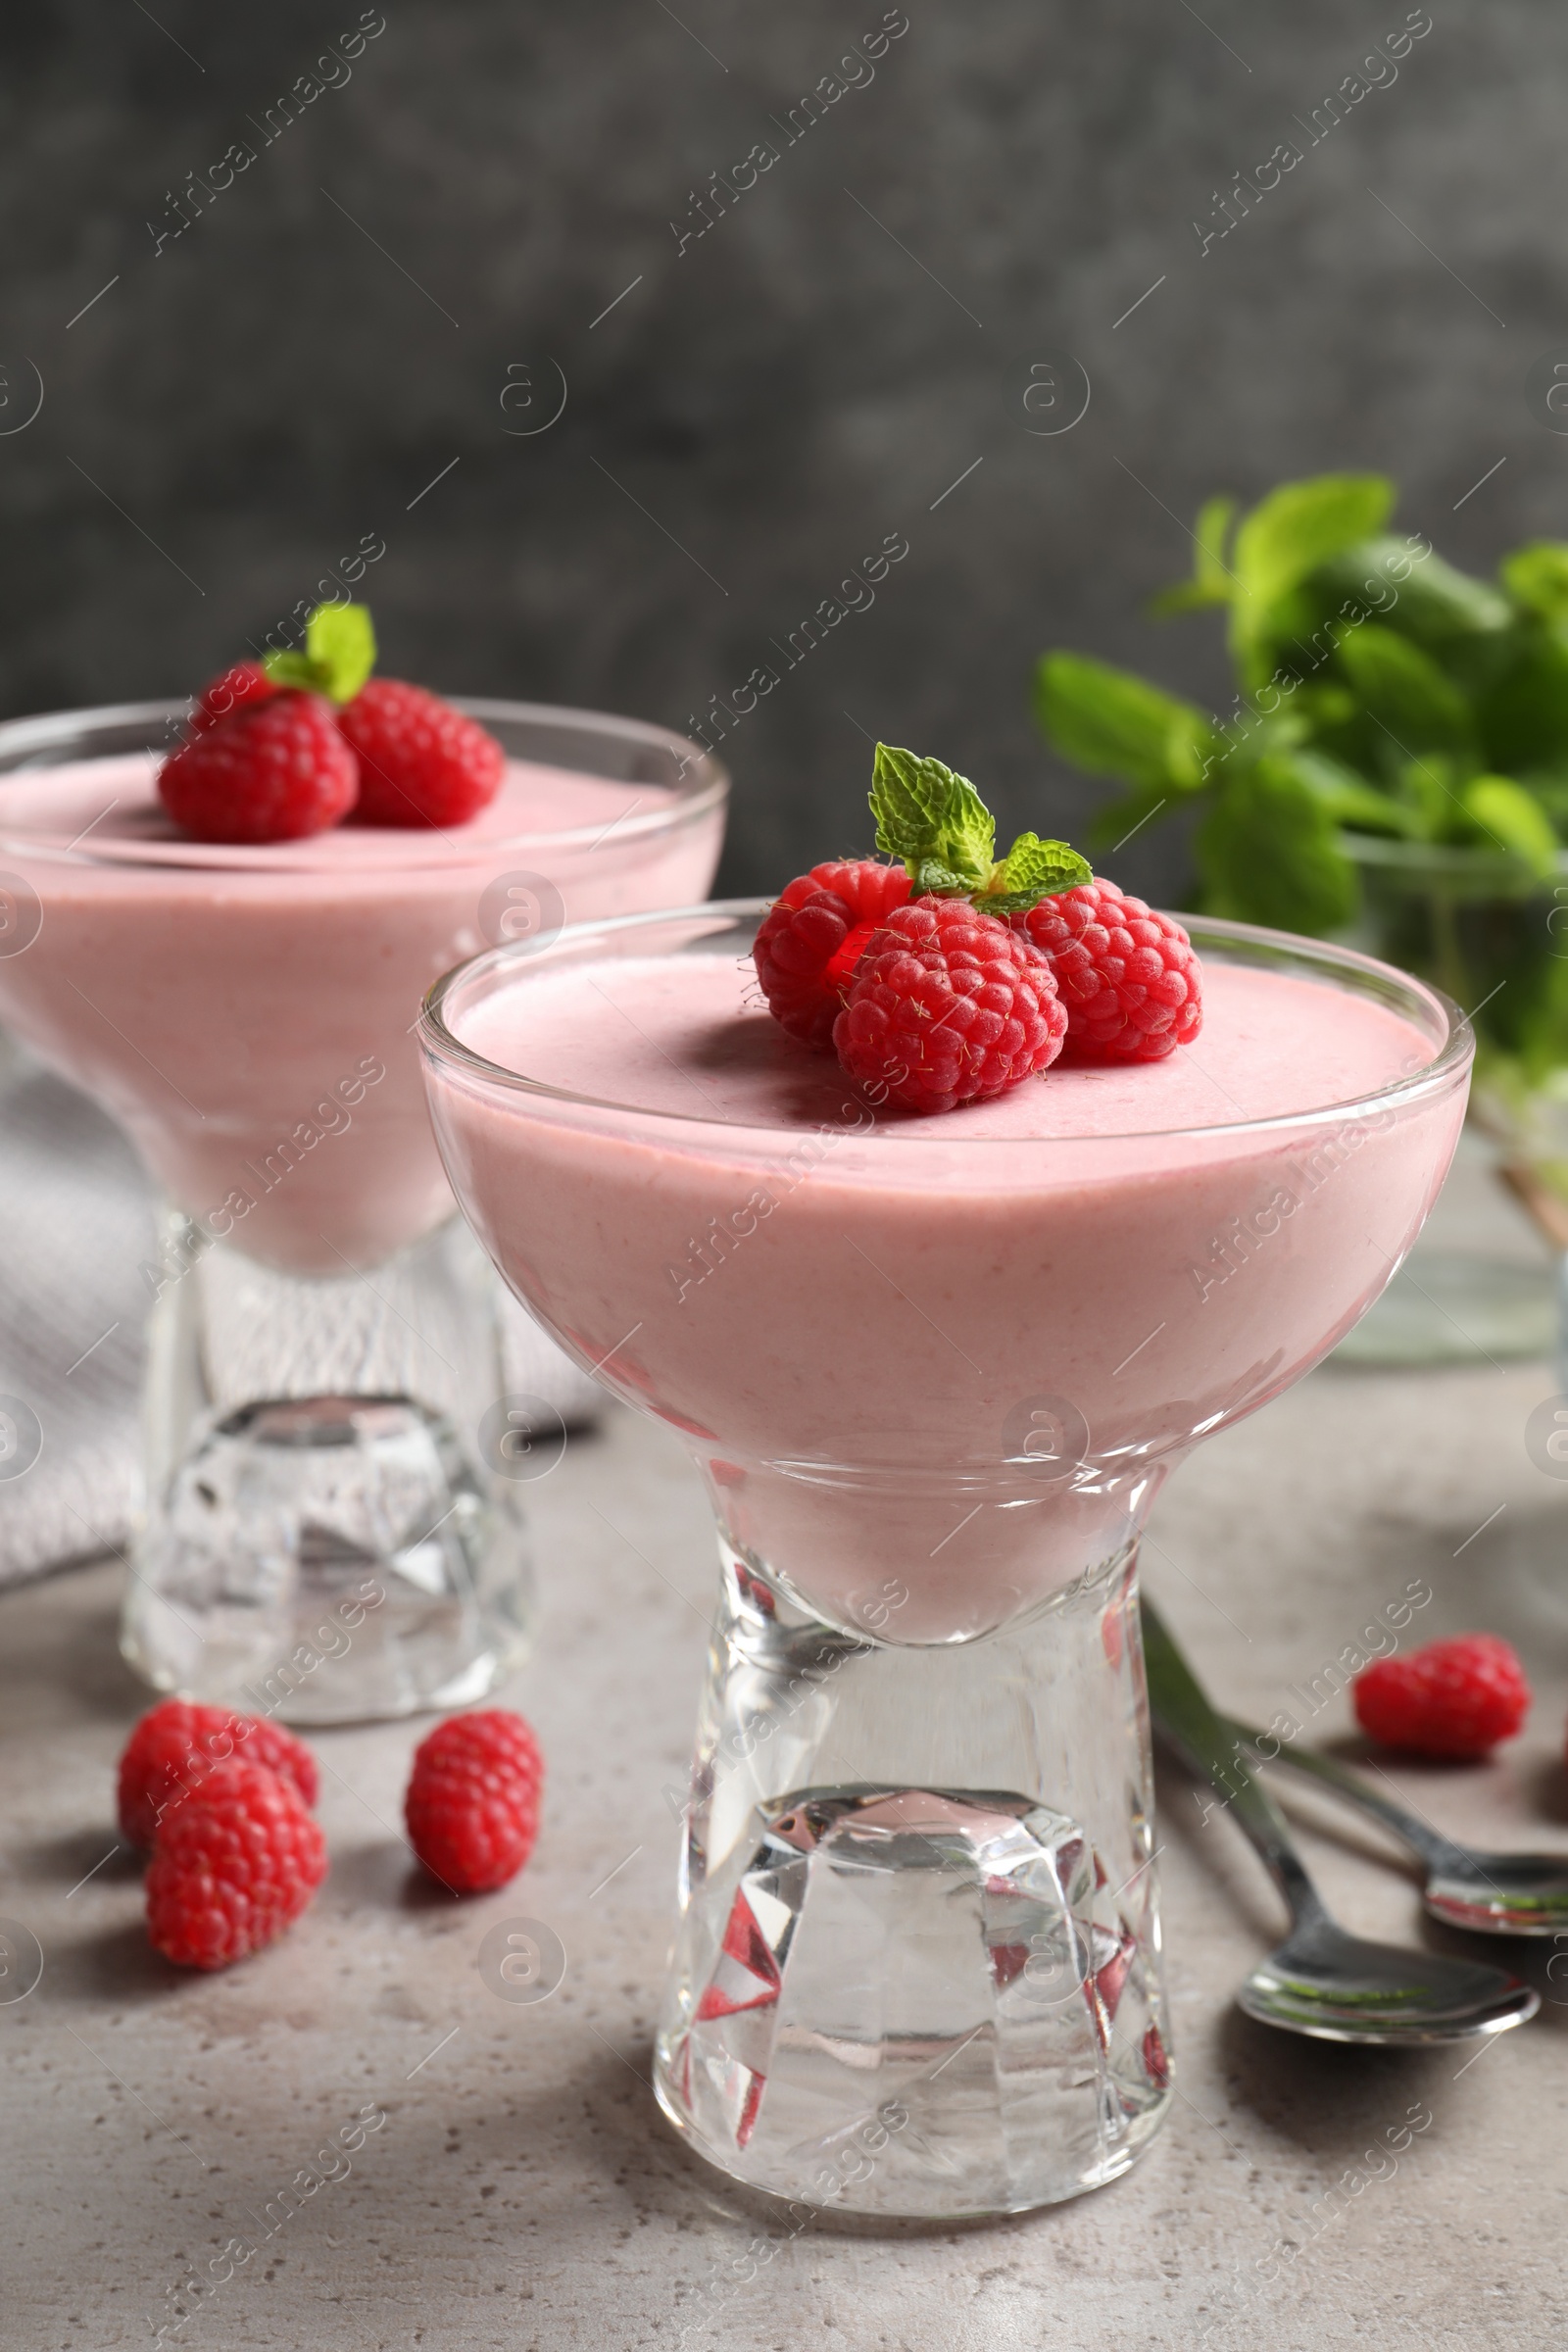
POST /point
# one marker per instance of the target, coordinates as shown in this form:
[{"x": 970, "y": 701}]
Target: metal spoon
[
  {"x": 1502, "y": 1894},
  {"x": 1320, "y": 1980}
]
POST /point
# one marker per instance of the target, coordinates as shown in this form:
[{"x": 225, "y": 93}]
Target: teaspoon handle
[
  {"x": 1429, "y": 1843},
  {"x": 1189, "y": 1725}
]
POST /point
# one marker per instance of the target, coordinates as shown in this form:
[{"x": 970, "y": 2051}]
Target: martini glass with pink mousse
[
  {"x": 933, "y": 1371},
  {"x": 331, "y": 1527}
]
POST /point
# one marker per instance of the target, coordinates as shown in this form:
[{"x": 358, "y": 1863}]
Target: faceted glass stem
[
  {"x": 323, "y": 1539},
  {"x": 916, "y": 1965}
]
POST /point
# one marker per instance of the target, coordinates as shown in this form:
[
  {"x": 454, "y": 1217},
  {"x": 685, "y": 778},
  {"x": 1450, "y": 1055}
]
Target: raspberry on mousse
[
  {"x": 947, "y": 1007},
  {"x": 420, "y": 761},
  {"x": 234, "y": 689},
  {"x": 277, "y": 771},
  {"x": 283, "y": 749},
  {"x": 813, "y": 938},
  {"x": 954, "y": 975},
  {"x": 1128, "y": 977}
]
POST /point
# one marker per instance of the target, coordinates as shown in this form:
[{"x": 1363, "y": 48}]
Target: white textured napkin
[{"x": 77, "y": 1223}]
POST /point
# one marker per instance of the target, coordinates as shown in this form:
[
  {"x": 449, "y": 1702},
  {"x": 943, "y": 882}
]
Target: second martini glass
[{"x": 934, "y": 1372}]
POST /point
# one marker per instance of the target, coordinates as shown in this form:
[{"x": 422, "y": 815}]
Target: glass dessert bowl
[
  {"x": 934, "y": 1372},
  {"x": 324, "y": 1350}
]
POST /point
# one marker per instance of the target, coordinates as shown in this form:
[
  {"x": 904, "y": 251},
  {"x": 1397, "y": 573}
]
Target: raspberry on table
[
  {"x": 813, "y": 938},
  {"x": 175, "y": 1747},
  {"x": 1454, "y": 1698},
  {"x": 1128, "y": 977},
  {"x": 240, "y": 686},
  {"x": 235, "y": 1865},
  {"x": 421, "y": 762},
  {"x": 472, "y": 1803},
  {"x": 277, "y": 770},
  {"x": 947, "y": 1007}
]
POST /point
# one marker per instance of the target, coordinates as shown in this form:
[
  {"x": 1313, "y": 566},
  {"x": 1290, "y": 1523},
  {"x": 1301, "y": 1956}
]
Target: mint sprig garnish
[
  {"x": 339, "y": 654},
  {"x": 933, "y": 819},
  {"x": 946, "y": 836},
  {"x": 1033, "y": 870}
]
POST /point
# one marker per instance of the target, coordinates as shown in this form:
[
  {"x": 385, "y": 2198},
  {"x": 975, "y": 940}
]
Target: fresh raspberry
[
  {"x": 175, "y": 1747},
  {"x": 233, "y": 1866},
  {"x": 273, "y": 772},
  {"x": 813, "y": 936},
  {"x": 1452, "y": 1699},
  {"x": 947, "y": 1006},
  {"x": 1128, "y": 977},
  {"x": 245, "y": 684},
  {"x": 420, "y": 761},
  {"x": 472, "y": 1806}
]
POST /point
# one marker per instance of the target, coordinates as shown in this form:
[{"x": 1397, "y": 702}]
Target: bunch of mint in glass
[{"x": 1393, "y": 769}]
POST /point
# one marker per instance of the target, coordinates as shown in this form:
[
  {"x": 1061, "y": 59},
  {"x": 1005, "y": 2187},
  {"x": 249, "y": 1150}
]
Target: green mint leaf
[
  {"x": 931, "y": 818},
  {"x": 1428, "y": 790},
  {"x": 1209, "y": 533},
  {"x": 1295, "y": 528},
  {"x": 1524, "y": 709},
  {"x": 341, "y": 642},
  {"x": 1033, "y": 870},
  {"x": 1502, "y": 812},
  {"x": 1293, "y": 532},
  {"x": 1269, "y": 851},
  {"x": 1351, "y": 800},
  {"x": 1536, "y": 576},
  {"x": 1114, "y": 725},
  {"x": 932, "y": 879},
  {"x": 1212, "y": 580},
  {"x": 1405, "y": 692},
  {"x": 1402, "y": 584},
  {"x": 291, "y": 669},
  {"x": 339, "y": 654},
  {"x": 1184, "y": 595}
]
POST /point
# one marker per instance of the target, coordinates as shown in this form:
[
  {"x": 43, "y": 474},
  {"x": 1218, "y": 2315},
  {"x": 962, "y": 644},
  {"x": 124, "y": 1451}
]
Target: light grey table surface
[{"x": 522, "y": 2190}]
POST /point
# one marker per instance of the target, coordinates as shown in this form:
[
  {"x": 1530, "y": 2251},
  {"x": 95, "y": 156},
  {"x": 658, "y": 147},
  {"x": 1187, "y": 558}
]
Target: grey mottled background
[{"x": 227, "y": 420}]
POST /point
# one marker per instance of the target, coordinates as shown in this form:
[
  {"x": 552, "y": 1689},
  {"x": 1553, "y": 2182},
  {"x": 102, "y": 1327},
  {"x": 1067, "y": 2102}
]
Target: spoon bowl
[
  {"x": 1501, "y": 1894},
  {"x": 1498, "y": 1894},
  {"x": 1337, "y": 1988}
]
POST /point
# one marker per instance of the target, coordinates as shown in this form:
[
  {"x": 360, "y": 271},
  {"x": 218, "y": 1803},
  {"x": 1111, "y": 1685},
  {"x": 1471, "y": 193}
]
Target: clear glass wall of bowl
[
  {"x": 918, "y": 1964},
  {"x": 330, "y": 1526}
]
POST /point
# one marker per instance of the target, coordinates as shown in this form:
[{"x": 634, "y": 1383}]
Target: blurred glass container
[{"x": 1487, "y": 1280}]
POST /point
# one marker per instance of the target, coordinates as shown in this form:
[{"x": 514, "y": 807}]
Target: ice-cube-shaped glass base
[
  {"x": 905, "y": 1998},
  {"x": 326, "y": 1556}
]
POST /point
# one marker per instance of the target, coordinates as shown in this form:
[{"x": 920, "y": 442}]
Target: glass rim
[
  {"x": 701, "y": 784},
  {"x": 1450, "y": 1060}
]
